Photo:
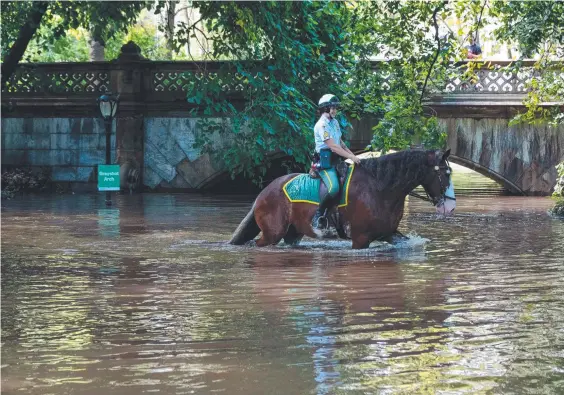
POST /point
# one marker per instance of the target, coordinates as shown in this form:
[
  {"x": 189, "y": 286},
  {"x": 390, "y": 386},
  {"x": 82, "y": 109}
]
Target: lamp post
[{"x": 108, "y": 104}]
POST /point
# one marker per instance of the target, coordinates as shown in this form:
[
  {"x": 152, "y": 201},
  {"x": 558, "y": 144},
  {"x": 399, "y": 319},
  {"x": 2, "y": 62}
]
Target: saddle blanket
[{"x": 304, "y": 189}]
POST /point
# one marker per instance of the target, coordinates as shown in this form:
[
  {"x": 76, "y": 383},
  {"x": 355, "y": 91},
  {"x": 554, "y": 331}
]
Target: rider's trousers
[{"x": 331, "y": 181}]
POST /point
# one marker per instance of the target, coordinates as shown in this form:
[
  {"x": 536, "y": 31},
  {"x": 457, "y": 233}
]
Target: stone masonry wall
[
  {"x": 525, "y": 155},
  {"x": 170, "y": 158},
  {"x": 70, "y": 148}
]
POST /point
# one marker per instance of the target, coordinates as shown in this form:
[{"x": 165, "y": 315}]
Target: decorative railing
[
  {"x": 172, "y": 80},
  {"x": 491, "y": 81},
  {"x": 59, "y": 79},
  {"x": 490, "y": 77},
  {"x": 471, "y": 77}
]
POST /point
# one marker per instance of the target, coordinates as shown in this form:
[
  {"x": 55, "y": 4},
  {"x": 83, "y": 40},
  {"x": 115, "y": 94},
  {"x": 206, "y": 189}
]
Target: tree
[
  {"x": 538, "y": 28},
  {"x": 72, "y": 47},
  {"x": 97, "y": 48},
  {"x": 21, "y": 21},
  {"x": 286, "y": 55},
  {"x": 169, "y": 26},
  {"x": 406, "y": 34}
]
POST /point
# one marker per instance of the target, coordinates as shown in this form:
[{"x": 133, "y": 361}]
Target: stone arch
[
  {"x": 522, "y": 157},
  {"x": 213, "y": 180},
  {"x": 507, "y": 184}
]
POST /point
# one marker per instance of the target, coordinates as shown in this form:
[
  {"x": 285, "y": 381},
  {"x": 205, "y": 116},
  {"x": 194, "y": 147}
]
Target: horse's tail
[{"x": 247, "y": 229}]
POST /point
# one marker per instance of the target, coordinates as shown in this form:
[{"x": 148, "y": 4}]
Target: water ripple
[{"x": 469, "y": 304}]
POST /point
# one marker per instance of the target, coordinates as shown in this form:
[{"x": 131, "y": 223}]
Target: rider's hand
[{"x": 356, "y": 160}]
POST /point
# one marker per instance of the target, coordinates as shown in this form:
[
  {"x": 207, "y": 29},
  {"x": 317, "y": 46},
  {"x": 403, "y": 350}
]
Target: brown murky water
[{"x": 146, "y": 297}]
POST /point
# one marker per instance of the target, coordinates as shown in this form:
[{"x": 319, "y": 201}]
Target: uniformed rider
[{"x": 329, "y": 146}]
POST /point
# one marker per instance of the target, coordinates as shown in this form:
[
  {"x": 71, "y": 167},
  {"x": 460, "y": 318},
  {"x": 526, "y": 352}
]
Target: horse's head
[{"x": 438, "y": 182}]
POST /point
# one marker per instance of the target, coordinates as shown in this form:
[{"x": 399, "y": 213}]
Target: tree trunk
[
  {"x": 187, "y": 16},
  {"x": 27, "y": 31},
  {"x": 97, "y": 53},
  {"x": 170, "y": 15}
]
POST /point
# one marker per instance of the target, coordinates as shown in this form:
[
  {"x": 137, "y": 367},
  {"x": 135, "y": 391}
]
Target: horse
[{"x": 376, "y": 197}]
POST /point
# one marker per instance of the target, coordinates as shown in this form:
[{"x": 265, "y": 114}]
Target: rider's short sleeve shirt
[{"x": 326, "y": 129}]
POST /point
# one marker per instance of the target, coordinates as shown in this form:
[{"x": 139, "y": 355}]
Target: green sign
[{"x": 108, "y": 177}]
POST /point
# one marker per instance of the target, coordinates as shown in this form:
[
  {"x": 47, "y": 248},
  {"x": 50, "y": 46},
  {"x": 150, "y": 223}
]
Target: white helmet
[{"x": 329, "y": 100}]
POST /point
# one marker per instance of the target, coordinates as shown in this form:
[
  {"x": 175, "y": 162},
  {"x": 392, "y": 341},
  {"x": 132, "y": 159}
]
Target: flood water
[{"x": 147, "y": 297}]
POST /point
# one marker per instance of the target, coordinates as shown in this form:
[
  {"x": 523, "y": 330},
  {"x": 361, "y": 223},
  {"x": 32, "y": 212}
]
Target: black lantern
[{"x": 108, "y": 104}]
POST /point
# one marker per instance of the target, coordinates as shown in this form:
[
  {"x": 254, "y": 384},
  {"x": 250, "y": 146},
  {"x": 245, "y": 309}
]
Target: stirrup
[{"x": 322, "y": 222}]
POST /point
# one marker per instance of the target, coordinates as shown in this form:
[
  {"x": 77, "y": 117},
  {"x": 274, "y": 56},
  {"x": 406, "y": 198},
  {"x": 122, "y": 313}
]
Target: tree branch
[
  {"x": 181, "y": 9},
  {"x": 479, "y": 21},
  {"x": 438, "y": 40},
  {"x": 193, "y": 26},
  {"x": 27, "y": 32}
]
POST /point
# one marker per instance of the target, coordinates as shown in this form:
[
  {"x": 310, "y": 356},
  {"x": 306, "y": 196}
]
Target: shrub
[{"x": 23, "y": 180}]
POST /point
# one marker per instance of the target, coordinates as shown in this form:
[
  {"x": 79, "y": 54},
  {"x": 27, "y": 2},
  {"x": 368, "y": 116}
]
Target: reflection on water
[
  {"x": 147, "y": 297},
  {"x": 108, "y": 222}
]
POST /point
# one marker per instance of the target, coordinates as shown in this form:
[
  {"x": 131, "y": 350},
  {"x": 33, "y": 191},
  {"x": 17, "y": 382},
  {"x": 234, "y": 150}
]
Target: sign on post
[{"x": 108, "y": 177}]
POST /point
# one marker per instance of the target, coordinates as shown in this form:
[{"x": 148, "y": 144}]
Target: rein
[
  {"x": 428, "y": 198},
  {"x": 418, "y": 196}
]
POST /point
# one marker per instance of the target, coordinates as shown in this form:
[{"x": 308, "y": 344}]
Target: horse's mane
[{"x": 396, "y": 170}]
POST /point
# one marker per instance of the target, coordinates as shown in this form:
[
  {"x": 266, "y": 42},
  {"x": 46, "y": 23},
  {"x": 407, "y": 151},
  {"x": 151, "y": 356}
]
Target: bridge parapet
[
  {"x": 169, "y": 80},
  {"x": 153, "y": 93}
]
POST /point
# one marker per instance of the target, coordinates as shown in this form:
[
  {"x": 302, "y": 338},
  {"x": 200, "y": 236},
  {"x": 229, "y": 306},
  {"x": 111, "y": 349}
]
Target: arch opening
[
  {"x": 222, "y": 183},
  {"x": 509, "y": 188},
  {"x": 469, "y": 178}
]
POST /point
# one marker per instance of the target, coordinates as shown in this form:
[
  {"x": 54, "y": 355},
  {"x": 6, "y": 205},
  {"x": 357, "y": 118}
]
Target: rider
[{"x": 329, "y": 146}]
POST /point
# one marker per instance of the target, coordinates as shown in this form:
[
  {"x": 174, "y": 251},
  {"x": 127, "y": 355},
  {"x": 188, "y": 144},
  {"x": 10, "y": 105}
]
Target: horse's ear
[
  {"x": 431, "y": 158},
  {"x": 446, "y": 155}
]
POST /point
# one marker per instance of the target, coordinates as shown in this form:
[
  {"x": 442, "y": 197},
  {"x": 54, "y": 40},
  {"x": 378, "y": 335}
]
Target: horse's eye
[{"x": 437, "y": 168}]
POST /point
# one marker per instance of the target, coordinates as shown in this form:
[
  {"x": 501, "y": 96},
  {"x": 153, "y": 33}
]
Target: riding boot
[{"x": 320, "y": 220}]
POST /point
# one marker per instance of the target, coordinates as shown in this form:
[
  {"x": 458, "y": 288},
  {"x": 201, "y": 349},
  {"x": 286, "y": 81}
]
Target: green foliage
[
  {"x": 13, "y": 15},
  {"x": 20, "y": 180},
  {"x": 559, "y": 188},
  {"x": 104, "y": 19},
  {"x": 538, "y": 28},
  {"x": 533, "y": 24},
  {"x": 288, "y": 54},
  {"x": 312, "y": 48},
  {"x": 546, "y": 88},
  {"x": 558, "y": 209},
  {"x": 406, "y": 34},
  {"x": 152, "y": 46},
  {"x": 74, "y": 45}
]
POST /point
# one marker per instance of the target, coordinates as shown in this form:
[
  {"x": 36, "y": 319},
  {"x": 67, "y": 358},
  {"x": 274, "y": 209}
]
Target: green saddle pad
[{"x": 304, "y": 189}]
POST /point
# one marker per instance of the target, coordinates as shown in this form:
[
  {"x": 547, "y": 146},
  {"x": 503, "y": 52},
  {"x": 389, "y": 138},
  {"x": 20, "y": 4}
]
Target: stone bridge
[
  {"x": 522, "y": 158},
  {"x": 50, "y": 120},
  {"x": 476, "y": 117}
]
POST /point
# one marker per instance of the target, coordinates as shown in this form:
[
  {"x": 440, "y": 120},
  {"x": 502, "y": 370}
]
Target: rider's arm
[
  {"x": 336, "y": 148},
  {"x": 344, "y": 146}
]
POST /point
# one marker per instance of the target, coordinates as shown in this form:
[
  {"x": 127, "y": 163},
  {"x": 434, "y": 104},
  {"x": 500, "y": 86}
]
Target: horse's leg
[
  {"x": 395, "y": 238},
  {"x": 360, "y": 241},
  {"x": 271, "y": 234},
  {"x": 273, "y": 222},
  {"x": 397, "y": 233},
  {"x": 301, "y": 220},
  {"x": 292, "y": 237}
]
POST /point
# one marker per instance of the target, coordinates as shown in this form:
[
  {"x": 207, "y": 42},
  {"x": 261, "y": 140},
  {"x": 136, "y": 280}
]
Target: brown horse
[{"x": 377, "y": 192}]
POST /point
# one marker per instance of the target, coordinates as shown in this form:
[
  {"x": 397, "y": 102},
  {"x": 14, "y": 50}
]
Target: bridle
[{"x": 438, "y": 200}]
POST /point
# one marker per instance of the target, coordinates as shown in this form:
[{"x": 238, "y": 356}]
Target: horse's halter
[{"x": 436, "y": 201}]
